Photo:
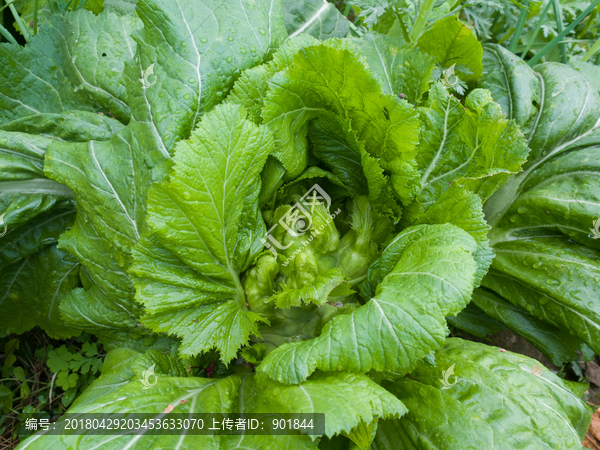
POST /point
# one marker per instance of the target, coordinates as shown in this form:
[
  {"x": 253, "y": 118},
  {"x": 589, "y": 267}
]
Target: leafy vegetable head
[{"x": 278, "y": 202}]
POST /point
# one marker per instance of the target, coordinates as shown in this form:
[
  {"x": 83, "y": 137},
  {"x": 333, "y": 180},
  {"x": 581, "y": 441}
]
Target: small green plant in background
[
  {"x": 42, "y": 376},
  {"x": 74, "y": 369}
]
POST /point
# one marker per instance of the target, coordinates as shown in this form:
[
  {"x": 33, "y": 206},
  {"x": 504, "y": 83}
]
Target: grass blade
[
  {"x": 20, "y": 24},
  {"x": 559, "y": 28},
  {"x": 421, "y": 21},
  {"x": 537, "y": 28},
  {"x": 35, "y": 14},
  {"x": 550, "y": 45},
  {"x": 9, "y": 37},
  {"x": 594, "y": 48},
  {"x": 519, "y": 28},
  {"x": 347, "y": 10}
]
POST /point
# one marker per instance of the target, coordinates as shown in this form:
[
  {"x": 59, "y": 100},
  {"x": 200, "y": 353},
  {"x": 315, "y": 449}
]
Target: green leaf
[
  {"x": 513, "y": 85},
  {"x": 424, "y": 275},
  {"x": 218, "y": 168},
  {"x": 254, "y": 354},
  {"x": 541, "y": 275},
  {"x": 90, "y": 349},
  {"x": 544, "y": 218},
  {"x": 478, "y": 405},
  {"x": 66, "y": 380},
  {"x": 19, "y": 373},
  {"x": 589, "y": 71},
  {"x": 453, "y": 43},
  {"x": 316, "y": 293},
  {"x": 433, "y": 417},
  {"x": 111, "y": 178},
  {"x": 27, "y": 197},
  {"x": 475, "y": 321},
  {"x": 314, "y": 17},
  {"x": 337, "y": 146},
  {"x": 110, "y": 319},
  {"x": 25, "y": 304},
  {"x": 462, "y": 208},
  {"x": 68, "y": 397},
  {"x": 251, "y": 87},
  {"x": 58, "y": 360},
  {"x": 402, "y": 70},
  {"x": 116, "y": 371},
  {"x": 372, "y": 12},
  {"x": 389, "y": 128},
  {"x": 63, "y": 68},
  {"x": 346, "y": 399},
  {"x": 6, "y": 397},
  {"x": 24, "y": 391},
  {"x": 473, "y": 146},
  {"x": 556, "y": 343}
]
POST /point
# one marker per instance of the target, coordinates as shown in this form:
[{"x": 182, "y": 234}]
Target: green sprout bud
[
  {"x": 259, "y": 285},
  {"x": 357, "y": 249}
]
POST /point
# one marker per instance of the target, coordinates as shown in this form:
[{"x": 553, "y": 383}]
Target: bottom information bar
[{"x": 167, "y": 423}]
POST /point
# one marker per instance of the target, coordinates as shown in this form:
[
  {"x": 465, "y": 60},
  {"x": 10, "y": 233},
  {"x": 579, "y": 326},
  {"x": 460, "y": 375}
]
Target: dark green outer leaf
[
  {"x": 544, "y": 218},
  {"x": 476, "y": 322},
  {"x": 62, "y": 69},
  {"x": 30, "y": 290},
  {"x": 180, "y": 44},
  {"x": 556, "y": 343},
  {"x": 476, "y": 396}
]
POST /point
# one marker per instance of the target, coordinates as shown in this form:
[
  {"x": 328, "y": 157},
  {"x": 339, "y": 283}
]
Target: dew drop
[
  {"x": 230, "y": 38},
  {"x": 243, "y": 50},
  {"x": 262, "y": 31},
  {"x": 203, "y": 40},
  {"x": 521, "y": 210}
]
